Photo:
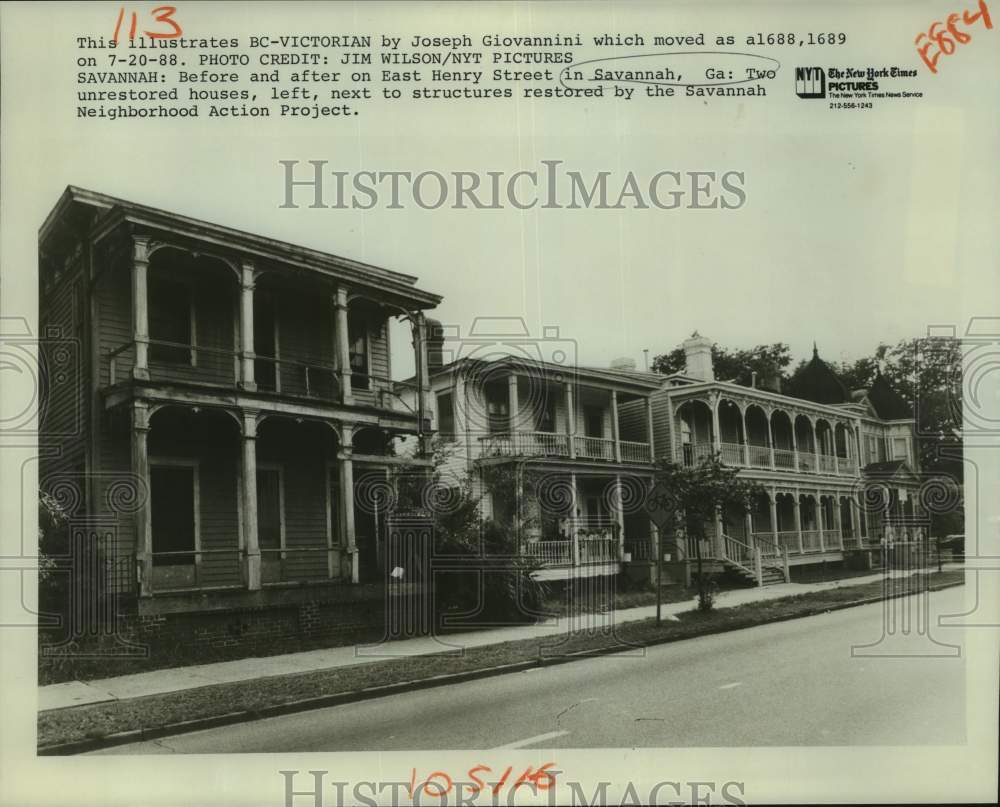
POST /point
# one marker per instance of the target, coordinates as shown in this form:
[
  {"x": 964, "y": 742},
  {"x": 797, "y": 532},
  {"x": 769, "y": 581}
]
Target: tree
[
  {"x": 488, "y": 578},
  {"x": 734, "y": 365},
  {"x": 684, "y": 499}
]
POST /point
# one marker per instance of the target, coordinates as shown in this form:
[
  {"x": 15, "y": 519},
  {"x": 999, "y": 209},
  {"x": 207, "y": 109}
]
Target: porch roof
[{"x": 99, "y": 213}]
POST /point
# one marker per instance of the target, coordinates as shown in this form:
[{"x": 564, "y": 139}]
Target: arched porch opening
[
  {"x": 788, "y": 534},
  {"x": 825, "y": 446},
  {"x": 694, "y": 425},
  {"x": 192, "y": 318},
  {"x": 783, "y": 434},
  {"x": 758, "y": 445},
  {"x": 810, "y": 515},
  {"x": 300, "y": 508},
  {"x": 731, "y": 435},
  {"x": 805, "y": 439},
  {"x": 194, "y": 506}
]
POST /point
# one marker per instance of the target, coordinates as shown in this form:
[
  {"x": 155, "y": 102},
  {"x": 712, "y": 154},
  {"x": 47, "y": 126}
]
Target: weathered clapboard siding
[
  {"x": 632, "y": 423},
  {"x": 663, "y": 432},
  {"x": 305, "y": 337},
  {"x": 212, "y": 441},
  {"x": 114, "y": 320},
  {"x": 302, "y": 452}
]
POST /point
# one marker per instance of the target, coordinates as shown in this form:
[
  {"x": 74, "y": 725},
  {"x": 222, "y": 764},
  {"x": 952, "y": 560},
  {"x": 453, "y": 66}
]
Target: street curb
[{"x": 370, "y": 693}]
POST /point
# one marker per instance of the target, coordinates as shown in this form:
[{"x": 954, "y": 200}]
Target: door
[{"x": 172, "y": 515}]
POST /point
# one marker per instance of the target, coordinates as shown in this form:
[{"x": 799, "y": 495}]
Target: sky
[{"x": 859, "y": 228}]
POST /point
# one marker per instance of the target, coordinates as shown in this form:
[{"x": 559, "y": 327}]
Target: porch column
[
  {"x": 570, "y": 423},
  {"x": 246, "y": 327},
  {"x": 649, "y": 429},
  {"x": 574, "y": 537},
  {"x": 251, "y": 543},
  {"x": 856, "y": 520},
  {"x": 620, "y": 516},
  {"x": 717, "y": 544},
  {"x": 773, "y": 505},
  {"x": 345, "y": 465},
  {"x": 614, "y": 426},
  {"x": 716, "y": 435},
  {"x": 819, "y": 521},
  {"x": 423, "y": 377},
  {"x": 749, "y": 528},
  {"x": 798, "y": 518},
  {"x": 770, "y": 439},
  {"x": 140, "y": 308},
  {"x": 795, "y": 447},
  {"x": 341, "y": 342},
  {"x": 140, "y": 478},
  {"x": 746, "y": 438},
  {"x": 836, "y": 459},
  {"x": 512, "y": 403}
]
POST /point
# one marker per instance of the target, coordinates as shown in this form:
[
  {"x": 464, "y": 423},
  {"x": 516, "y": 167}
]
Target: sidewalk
[{"x": 156, "y": 682}]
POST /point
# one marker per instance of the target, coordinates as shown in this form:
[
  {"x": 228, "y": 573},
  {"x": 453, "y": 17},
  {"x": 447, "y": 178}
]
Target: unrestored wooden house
[{"x": 231, "y": 391}]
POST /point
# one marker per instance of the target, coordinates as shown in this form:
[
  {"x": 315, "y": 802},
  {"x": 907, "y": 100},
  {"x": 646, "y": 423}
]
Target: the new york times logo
[{"x": 810, "y": 82}]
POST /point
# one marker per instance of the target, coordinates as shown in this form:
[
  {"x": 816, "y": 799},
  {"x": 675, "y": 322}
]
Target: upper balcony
[
  {"x": 231, "y": 322},
  {"x": 508, "y": 410},
  {"x": 765, "y": 434}
]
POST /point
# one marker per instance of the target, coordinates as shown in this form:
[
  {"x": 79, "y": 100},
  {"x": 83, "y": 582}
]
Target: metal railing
[{"x": 293, "y": 377}]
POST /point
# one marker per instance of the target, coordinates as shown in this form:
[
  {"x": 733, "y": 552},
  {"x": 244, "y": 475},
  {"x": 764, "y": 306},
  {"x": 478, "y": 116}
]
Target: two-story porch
[{"x": 243, "y": 391}]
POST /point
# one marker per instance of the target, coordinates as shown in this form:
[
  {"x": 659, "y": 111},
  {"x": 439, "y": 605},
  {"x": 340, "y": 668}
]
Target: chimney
[
  {"x": 623, "y": 363},
  {"x": 698, "y": 357},
  {"x": 435, "y": 346}
]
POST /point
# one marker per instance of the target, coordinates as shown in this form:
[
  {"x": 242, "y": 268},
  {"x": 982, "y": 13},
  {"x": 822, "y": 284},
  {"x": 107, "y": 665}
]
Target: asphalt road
[{"x": 790, "y": 683}]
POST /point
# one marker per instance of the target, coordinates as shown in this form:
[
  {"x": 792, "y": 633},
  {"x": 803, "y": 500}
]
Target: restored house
[
  {"x": 232, "y": 390},
  {"x": 838, "y": 468}
]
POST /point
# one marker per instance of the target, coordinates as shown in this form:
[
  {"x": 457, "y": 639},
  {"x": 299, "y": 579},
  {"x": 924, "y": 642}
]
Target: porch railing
[
  {"x": 827, "y": 463},
  {"x": 640, "y": 550},
  {"x": 595, "y": 448},
  {"x": 185, "y": 569},
  {"x": 535, "y": 444},
  {"x": 598, "y": 549},
  {"x": 832, "y": 539},
  {"x": 789, "y": 539},
  {"x": 811, "y": 541},
  {"x": 549, "y": 553},
  {"x": 732, "y": 453},
  {"x": 633, "y": 451},
  {"x": 297, "y": 564},
  {"x": 807, "y": 461},
  {"x": 760, "y": 456},
  {"x": 784, "y": 459}
]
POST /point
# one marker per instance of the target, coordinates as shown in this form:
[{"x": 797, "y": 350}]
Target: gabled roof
[{"x": 888, "y": 403}]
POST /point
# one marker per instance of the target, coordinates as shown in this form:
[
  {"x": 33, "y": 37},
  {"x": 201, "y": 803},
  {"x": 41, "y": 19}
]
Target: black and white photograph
[{"x": 517, "y": 402}]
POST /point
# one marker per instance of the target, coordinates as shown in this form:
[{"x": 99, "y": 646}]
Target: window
[
  {"x": 171, "y": 323},
  {"x": 593, "y": 421},
  {"x": 357, "y": 348},
  {"x": 899, "y": 448},
  {"x": 446, "y": 416}
]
